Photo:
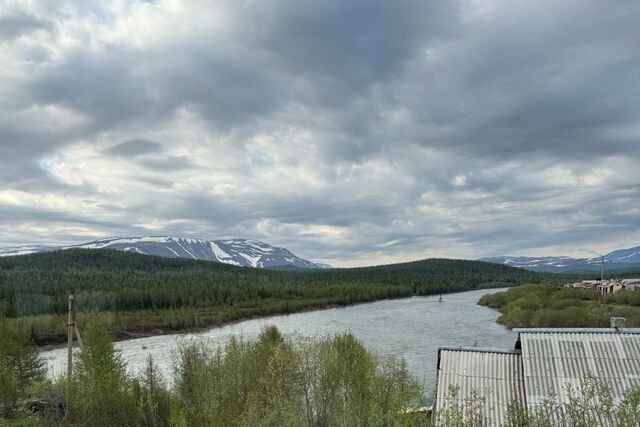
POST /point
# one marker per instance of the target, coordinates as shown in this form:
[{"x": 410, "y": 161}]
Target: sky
[{"x": 351, "y": 132}]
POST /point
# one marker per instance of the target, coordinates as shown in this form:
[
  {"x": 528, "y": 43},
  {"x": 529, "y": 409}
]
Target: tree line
[{"x": 143, "y": 293}]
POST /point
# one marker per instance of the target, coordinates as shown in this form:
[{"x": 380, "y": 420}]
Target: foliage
[
  {"x": 152, "y": 397},
  {"x": 20, "y": 366},
  {"x": 274, "y": 381},
  {"x": 461, "y": 411},
  {"x": 277, "y": 381},
  {"x": 99, "y": 392},
  {"x": 545, "y": 306},
  {"x": 589, "y": 404},
  {"x": 145, "y": 294}
]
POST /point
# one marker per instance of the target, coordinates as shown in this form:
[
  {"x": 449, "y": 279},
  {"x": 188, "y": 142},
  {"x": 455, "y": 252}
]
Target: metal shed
[
  {"x": 555, "y": 359},
  {"x": 496, "y": 375}
]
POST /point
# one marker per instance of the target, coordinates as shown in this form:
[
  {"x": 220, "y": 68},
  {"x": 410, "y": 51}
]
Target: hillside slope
[
  {"x": 147, "y": 294},
  {"x": 240, "y": 252},
  {"x": 617, "y": 261}
]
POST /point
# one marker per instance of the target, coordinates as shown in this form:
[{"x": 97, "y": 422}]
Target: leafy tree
[
  {"x": 274, "y": 381},
  {"x": 152, "y": 397},
  {"x": 20, "y": 366},
  {"x": 100, "y": 393}
]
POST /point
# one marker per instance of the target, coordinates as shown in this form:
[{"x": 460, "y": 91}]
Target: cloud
[
  {"x": 16, "y": 23},
  {"x": 350, "y": 132},
  {"x": 133, "y": 148}
]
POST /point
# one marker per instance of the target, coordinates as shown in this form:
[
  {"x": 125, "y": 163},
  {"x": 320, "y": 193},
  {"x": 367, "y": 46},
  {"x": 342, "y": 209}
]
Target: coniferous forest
[{"x": 140, "y": 294}]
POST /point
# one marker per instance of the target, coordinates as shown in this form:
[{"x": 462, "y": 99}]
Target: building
[
  {"x": 585, "y": 284},
  {"x": 495, "y": 375},
  {"x": 609, "y": 287},
  {"x": 631, "y": 284},
  {"x": 544, "y": 365}
]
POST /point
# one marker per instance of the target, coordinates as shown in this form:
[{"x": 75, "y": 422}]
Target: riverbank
[
  {"x": 541, "y": 306},
  {"x": 411, "y": 328},
  {"x": 202, "y": 327},
  {"x": 147, "y": 323},
  {"x": 140, "y": 295}
]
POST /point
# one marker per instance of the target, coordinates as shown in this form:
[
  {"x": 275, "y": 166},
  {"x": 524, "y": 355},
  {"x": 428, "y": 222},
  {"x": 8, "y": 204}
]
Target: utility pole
[
  {"x": 71, "y": 323},
  {"x": 602, "y": 270},
  {"x": 72, "y": 327}
]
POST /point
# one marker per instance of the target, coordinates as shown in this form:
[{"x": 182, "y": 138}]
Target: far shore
[{"x": 126, "y": 336}]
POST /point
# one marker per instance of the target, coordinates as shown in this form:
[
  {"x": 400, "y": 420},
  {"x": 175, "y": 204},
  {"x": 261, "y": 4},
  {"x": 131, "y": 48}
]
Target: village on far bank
[{"x": 607, "y": 286}]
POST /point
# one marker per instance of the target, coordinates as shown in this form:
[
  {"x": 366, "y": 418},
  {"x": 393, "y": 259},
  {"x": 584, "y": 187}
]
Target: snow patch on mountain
[
  {"x": 240, "y": 252},
  {"x": 618, "y": 260}
]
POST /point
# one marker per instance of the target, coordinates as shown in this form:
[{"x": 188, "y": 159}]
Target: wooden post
[
  {"x": 70, "y": 331},
  {"x": 78, "y": 337}
]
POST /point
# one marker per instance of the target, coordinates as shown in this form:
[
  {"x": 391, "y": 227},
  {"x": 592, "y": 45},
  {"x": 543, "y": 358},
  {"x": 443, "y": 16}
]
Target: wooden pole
[
  {"x": 70, "y": 331},
  {"x": 78, "y": 337}
]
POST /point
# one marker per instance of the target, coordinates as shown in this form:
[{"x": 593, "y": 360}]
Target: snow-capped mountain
[
  {"x": 241, "y": 252},
  {"x": 616, "y": 261}
]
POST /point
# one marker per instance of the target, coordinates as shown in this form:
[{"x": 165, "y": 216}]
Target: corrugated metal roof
[
  {"x": 553, "y": 360},
  {"x": 576, "y": 330},
  {"x": 496, "y": 376}
]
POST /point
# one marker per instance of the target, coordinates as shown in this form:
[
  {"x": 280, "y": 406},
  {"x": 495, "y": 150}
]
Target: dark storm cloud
[
  {"x": 133, "y": 148},
  {"x": 16, "y": 23},
  {"x": 537, "y": 79},
  {"x": 168, "y": 163},
  {"x": 150, "y": 155},
  {"x": 355, "y": 43},
  {"x": 351, "y": 131}
]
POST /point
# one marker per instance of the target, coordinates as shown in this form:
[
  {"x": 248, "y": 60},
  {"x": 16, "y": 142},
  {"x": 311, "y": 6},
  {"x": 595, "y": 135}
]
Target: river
[{"x": 411, "y": 328}]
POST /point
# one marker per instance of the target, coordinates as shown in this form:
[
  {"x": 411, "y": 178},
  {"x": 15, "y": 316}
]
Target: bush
[
  {"x": 20, "y": 367},
  {"x": 274, "y": 381},
  {"x": 543, "y": 306},
  {"x": 153, "y": 399},
  {"x": 99, "y": 392}
]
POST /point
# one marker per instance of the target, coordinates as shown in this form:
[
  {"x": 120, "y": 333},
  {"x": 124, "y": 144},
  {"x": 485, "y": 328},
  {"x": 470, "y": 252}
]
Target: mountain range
[
  {"x": 617, "y": 261},
  {"x": 240, "y": 252},
  {"x": 254, "y": 253}
]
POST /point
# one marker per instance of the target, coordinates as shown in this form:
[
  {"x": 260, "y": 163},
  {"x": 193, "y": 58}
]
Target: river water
[{"x": 411, "y": 328}]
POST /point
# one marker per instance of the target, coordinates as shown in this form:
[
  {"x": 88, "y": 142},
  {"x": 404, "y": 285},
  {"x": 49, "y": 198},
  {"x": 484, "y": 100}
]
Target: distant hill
[
  {"x": 617, "y": 261},
  {"x": 106, "y": 275},
  {"x": 240, "y": 252}
]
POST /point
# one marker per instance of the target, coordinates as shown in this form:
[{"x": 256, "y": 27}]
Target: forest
[
  {"x": 555, "y": 307},
  {"x": 141, "y": 294}
]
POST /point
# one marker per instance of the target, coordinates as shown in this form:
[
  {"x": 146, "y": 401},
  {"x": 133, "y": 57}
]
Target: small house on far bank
[{"x": 607, "y": 286}]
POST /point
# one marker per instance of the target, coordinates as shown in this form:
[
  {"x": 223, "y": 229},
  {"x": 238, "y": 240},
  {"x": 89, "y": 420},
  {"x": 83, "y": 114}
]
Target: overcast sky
[{"x": 350, "y": 132}]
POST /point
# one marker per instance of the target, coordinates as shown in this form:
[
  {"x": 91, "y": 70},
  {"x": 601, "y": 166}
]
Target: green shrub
[
  {"x": 544, "y": 306},
  {"x": 20, "y": 366},
  {"x": 99, "y": 392},
  {"x": 151, "y": 395},
  {"x": 274, "y": 381}
]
